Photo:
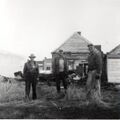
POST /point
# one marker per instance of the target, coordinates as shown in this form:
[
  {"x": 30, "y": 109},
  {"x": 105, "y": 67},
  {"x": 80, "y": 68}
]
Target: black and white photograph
[{"x": 59, "y": 59}]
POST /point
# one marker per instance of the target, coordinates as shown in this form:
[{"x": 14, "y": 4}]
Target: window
[{"x": 47, "y": 68}]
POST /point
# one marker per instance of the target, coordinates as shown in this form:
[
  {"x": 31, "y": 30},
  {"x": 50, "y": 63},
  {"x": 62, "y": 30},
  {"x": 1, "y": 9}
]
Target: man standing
[
  {"x": 30, "y": 73},
  {"x": 94, "y": 74},
  {"x": 60, "y": 71}
]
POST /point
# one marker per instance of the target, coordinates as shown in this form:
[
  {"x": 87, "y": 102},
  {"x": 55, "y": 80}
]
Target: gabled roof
[
  {"x": 40, "y": 62},
  {"x": 48, "y": 60},
  {"x": 115, "y": 51},
  {"x": 76, "y": 43}
]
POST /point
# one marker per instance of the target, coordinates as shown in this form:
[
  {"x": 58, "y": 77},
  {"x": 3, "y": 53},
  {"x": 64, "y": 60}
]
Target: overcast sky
[{"x": 40, "y": 26}]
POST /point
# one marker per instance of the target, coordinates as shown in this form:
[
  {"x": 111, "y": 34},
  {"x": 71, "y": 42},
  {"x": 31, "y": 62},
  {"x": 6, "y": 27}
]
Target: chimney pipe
[{"x": 79, "y": 33}]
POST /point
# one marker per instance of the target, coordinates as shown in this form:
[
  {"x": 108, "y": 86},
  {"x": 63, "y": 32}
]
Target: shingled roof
[
  {"x": 75, "y": 44},
  {"x": 115, "y": 51}
]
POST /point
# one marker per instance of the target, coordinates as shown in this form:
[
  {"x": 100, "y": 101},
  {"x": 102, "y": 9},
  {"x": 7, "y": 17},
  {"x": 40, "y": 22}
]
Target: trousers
[
  {"x": 31, "y": 82},
  {"x": 61, "y": 76},
  {"x": 93, "y": 85}
]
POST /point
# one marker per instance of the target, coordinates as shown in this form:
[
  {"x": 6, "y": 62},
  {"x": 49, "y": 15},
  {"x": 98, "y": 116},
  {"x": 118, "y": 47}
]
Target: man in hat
[
  {"x": 60, "y": 71},
  {"x": 94, "y": 74},
  {"x": 30, "y": 73}
]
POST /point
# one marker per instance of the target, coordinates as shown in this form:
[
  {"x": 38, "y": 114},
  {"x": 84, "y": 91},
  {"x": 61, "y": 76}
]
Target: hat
[
  {"x": 32, "y": 56},
  {"x": 90, "y": 44},
  {"x": 60, "y": 51}
]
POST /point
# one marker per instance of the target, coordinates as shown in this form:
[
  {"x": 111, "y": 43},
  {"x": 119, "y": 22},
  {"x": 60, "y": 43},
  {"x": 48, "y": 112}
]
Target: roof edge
[
  {"x": 113, "y": 49},
  {"x": 86, "y": 40}
]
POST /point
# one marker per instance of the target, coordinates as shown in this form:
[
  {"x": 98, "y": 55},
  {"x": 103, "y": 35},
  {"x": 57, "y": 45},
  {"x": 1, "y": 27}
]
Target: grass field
[{"x": 12, "y": 104}]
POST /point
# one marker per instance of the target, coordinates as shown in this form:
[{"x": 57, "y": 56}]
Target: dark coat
[
  {"x": 28, "y": 70},
  {"x": 56, "y": 64},
  {"x": 95, "y": 61}
]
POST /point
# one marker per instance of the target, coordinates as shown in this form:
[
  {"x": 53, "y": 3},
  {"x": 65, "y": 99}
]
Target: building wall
[
  {"x": 113, "y": 68},
  {"x": 45, "y": 65},
  {"x": 40, "y": 67},
  {"x": 73, "y": 60},
  {"x": 48, "y": 64}
]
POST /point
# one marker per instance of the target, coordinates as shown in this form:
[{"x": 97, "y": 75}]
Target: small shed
[{"x": 113, "y": 65}]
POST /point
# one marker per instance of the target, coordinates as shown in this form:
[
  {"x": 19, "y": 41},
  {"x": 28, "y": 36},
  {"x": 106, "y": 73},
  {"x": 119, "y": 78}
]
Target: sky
[{"x": 40, "y": 26}]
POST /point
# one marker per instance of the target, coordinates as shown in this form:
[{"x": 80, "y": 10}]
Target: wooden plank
[{"x": 113, "y": 70}]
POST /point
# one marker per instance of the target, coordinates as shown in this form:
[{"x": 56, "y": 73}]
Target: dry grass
[
  {"x": 75, "y": 93},
  {"x": 74, "y": 106},
  {"x": 11, "y": 91}
]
